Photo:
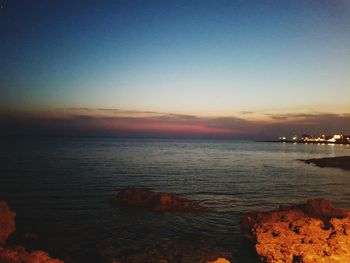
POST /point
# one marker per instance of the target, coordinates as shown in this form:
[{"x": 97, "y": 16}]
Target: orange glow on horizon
[{"x": 119, "y": 121}]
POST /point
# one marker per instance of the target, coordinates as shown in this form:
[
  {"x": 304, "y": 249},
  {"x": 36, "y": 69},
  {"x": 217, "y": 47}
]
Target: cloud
[
  {"x": 246, "y": 112},
  {"x": 126, "y": 123},
  {"x": 299, "y": 116}
]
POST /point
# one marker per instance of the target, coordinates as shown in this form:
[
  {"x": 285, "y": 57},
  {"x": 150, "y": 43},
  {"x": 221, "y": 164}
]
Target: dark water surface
[{"x": 61, "y": 187}]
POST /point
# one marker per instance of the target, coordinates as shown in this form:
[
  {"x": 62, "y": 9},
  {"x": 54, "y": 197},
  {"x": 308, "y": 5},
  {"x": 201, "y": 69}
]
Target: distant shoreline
[{"x": 308, "y": 142}]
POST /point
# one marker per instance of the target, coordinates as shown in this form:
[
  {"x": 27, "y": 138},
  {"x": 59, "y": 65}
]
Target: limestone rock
[
  {"x": 309, "y": 233},
  {"x": 342, "y": 162},
  {"x": 155, "y": 201},
  {"x": 42, "y": 257},
  {"x": 220, "y": 260},
  {"x": 19, "y": 254},
  {"x": 7, "y": 222}
]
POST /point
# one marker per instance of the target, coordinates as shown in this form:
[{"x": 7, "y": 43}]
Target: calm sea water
[{"x": 61, "y": 187}]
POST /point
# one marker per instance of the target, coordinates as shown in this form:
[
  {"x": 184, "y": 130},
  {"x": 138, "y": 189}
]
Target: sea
[{"x": 60, "y": 189}]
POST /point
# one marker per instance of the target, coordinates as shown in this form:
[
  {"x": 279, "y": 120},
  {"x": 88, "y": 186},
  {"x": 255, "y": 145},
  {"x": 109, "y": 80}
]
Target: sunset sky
[{"x": 245, "y": 69}]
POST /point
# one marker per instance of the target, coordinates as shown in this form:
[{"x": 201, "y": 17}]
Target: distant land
[
  {"x": 321, "y": 139},
  {"x": 342, "y": 162}
]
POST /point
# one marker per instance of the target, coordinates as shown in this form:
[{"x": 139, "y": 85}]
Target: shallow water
[{"x": 60, "y": 189}]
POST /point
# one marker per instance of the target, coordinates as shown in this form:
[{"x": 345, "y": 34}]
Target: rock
[
  {"x": 41, "y": 257},
  {"x": 308, "y": 233},
  {"x": 322, "y": 208},
  {"x": 19, "y": 254},
  {"x": 7, "y": 222},
  {"x": 220, "y": 260},
  {"x": 155, "y": 201},
  {"x": 342, "y": 162}
]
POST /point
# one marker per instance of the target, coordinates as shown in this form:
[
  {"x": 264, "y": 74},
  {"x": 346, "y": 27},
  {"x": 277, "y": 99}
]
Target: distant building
[
  {"x": 305, "y": 137},
  {"x": 336, "y": 138}
]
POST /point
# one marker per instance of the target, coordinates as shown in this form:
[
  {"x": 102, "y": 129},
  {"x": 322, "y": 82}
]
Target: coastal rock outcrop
[
  {"x": 308, "y": 233},
  {"x": 7, "y": 222},
  {"x": 156, "y": 201},
  {"x": 17, "y": 254},
  {"x": 219, "y": 260},
  {"x": 342, "y": 162}
]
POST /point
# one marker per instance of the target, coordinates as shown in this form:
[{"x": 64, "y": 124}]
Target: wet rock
[
  {"x": 7, "y": 222},
  {"x": 324, "y": 209},
  {"x": 342, "y": 162},
  {"x": 42, "y": 257},
  {"x": 19, "y": 254},
  {"x": 220, "y": 260},
  {"x": 155, "y": 201},
  {"x": 308, "y": 233}
]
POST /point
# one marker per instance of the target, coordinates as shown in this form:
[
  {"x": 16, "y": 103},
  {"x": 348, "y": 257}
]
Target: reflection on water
[{"x": 60, "y": 188}]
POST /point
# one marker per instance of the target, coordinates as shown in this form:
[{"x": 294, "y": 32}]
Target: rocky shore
[
  {"x": 156, "y": 201},
  {"x": 313, "y": 232},
  {"x": 17, "y": 254},
  {"x": 310, "y": 233},
  {"x": 342, "y": 162}
]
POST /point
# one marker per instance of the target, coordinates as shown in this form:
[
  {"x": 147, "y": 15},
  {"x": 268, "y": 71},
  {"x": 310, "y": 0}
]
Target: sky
[{"x": 231, "y": 69}]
